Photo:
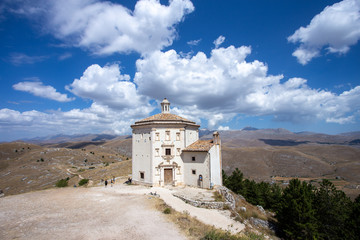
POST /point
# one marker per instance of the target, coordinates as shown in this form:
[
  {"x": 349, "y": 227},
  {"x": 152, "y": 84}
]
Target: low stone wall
[
  {"x": 228, "y": 196},
  {"x": 197, "y": 203},
  {"x": 229, "y": 200}
]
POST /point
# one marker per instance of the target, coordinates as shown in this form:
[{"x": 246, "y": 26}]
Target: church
[{"x": 166, "y": 150}]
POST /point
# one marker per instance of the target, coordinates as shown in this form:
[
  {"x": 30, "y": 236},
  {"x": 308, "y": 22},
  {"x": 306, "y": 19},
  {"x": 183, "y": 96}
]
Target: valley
[{"x": 271, "y": 155}]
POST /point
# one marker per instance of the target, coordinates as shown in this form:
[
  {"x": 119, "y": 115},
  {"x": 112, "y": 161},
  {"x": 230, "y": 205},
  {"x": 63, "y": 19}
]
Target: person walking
[{"x": 106, "y": 182}]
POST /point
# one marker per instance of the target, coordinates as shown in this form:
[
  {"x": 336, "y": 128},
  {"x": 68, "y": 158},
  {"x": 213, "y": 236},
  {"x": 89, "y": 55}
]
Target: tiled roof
[
  {"x": 200, "y": 146},
  {"x": 165, "y": 117}
]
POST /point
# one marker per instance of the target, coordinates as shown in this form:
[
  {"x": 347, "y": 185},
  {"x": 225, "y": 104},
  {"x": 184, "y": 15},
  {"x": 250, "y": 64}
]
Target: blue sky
[{"x": 91, "y": 66}]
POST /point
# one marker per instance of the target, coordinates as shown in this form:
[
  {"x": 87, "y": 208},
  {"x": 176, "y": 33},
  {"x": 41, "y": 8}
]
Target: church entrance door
[{"x": 168, "y": 176}]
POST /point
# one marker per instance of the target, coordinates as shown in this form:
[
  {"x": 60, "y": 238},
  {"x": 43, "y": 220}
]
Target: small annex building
[{"x": 166, "y": 150}]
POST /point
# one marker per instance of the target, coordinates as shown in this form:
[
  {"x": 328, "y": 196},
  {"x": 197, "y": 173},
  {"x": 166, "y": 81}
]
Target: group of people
[{"x": 112, "y": 181}]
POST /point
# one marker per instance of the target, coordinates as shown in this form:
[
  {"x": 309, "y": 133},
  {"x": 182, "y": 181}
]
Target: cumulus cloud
[
  {"x": 40, "y": 90},
  {"x": 95, "y": 119},
  {"x": 336, "y": 28},
  {"x": 219, "y": 41},
  {"x": 224, "y": 128},
  {"x": 219, "y": 87},
  {"x": 105, "y": 28},
  {"x": 116, "y": 104},
  {"x": 107, "y": 86}
]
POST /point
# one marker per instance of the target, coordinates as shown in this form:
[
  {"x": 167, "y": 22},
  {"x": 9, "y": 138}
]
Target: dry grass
[
  {"x": 194, "y": 229},
  {"x": 27, "y": 167},
  {"x": 218, "y": 197}
]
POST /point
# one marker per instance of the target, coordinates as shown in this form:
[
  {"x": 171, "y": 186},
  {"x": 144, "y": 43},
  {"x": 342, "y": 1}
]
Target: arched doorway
[{"x": 200, "y": 181}]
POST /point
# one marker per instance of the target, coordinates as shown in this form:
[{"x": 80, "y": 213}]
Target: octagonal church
[{"x": 166, "y": 150}]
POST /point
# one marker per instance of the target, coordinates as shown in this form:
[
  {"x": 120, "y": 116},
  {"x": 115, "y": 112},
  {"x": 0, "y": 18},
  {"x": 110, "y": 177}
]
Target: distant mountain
[
  {"x": 249, "y": 129},
  {"x": 61, "y": 138},
  {"x": 205, "y": 132}
]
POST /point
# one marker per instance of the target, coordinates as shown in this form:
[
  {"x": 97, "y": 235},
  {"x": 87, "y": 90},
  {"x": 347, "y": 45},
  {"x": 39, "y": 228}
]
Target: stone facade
[{"x": 166, "y": 150}]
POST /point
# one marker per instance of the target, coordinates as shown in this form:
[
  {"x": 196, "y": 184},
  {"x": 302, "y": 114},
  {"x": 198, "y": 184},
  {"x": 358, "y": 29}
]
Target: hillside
[
  {"x": 272, "y": 155},
  {"x": 277, "y": 155},
  {"x": 25, "y": 167}
]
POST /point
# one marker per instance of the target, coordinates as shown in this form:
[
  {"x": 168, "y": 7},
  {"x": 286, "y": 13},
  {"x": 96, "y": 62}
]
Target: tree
[
  {"x": 333, "y": 210},
  {"x": 235, "y": 181},
  {"x": 296, "y": 215},
  {"x": 355, "y": 217}
]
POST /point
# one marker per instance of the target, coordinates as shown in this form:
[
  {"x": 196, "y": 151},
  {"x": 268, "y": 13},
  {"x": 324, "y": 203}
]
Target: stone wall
[{"x": 229, "y": 200}]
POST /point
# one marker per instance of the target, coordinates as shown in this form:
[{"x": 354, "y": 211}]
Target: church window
[
  {"x": 193, "y": 171},
  {"x": 178, "y": 151},
  {"x": 168, "y": 151},
  {"x": 157, "y": 136},
  {"x": 178, "y": 136},
  {"x": 167, "y": 138},
  {"x": 142, "y": 175},
  {"x": 193, "y": 159},
  {"x": 156, "y": 152}
]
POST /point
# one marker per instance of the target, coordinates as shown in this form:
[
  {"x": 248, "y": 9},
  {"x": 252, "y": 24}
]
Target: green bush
[
  {"x": 219, "y": 235},
  {"x": 167, "y": 211},
  {"x": 83, "y": 181},
  {"x": 62, "y": 183}
]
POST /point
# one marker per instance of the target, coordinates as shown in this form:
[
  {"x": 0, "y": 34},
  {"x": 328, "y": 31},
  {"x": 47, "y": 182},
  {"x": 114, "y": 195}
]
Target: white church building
[{"x": 166, "y": 150}]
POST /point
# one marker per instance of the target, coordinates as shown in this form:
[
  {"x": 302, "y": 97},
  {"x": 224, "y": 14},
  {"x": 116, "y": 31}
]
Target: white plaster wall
[
  {"x": 200, "y": 165},
  {"x": 158, "y": 176},
  {"x": 141, "y": 158},
  {"x": 191, "y": 136},
  {"x": 215, "y": 165}
]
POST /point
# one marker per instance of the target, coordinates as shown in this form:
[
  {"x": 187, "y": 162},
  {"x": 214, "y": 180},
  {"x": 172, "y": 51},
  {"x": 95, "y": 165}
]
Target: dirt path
[
  {"x": 76, "y": 174},
  {"x": 83, "y": 213},
  {"x": 217, "y": 218},
  {"x": 118, "y": 212}
]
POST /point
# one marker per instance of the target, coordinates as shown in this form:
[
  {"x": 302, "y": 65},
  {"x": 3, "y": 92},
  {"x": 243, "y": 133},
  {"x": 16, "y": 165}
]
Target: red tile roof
[
  {"x": 165, "y": 117},
  {"x": 200, "y": 146}
]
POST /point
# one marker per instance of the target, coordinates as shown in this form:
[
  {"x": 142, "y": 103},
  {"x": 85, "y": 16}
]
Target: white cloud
[
  {"x": 21, "y": 58},
  {"x": 108, "y": 87},
  {"x": 219, "y": 87},
  {"x": 194, "y": 42},
  {"x": 336, "y": 28},
  {"x": 40, "y": 90},
  {"x": 116, "y": 105},
  {"x": 95, "y": 119},
  {"x": 65, "y": 56},
  {"x": 219, "y": 41},
  {"x": 224, "y": 128},
  {"x": 105, "y": 28}
]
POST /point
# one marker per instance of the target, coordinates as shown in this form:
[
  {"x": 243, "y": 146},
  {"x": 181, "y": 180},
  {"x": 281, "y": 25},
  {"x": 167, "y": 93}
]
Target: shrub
[
  {"x": 83, "y": 181},
  {"x": 167, "y": 211},
  {"x": 219, "y": 235},
  {"x": 62, "y": 183}
]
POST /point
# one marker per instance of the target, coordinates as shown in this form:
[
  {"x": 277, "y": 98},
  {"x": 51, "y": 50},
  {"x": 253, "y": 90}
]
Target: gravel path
[
  {"x": 217, "y": 218},
  {"x": 119, "y": 212},
  {"x": 83, "y": 213}
]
